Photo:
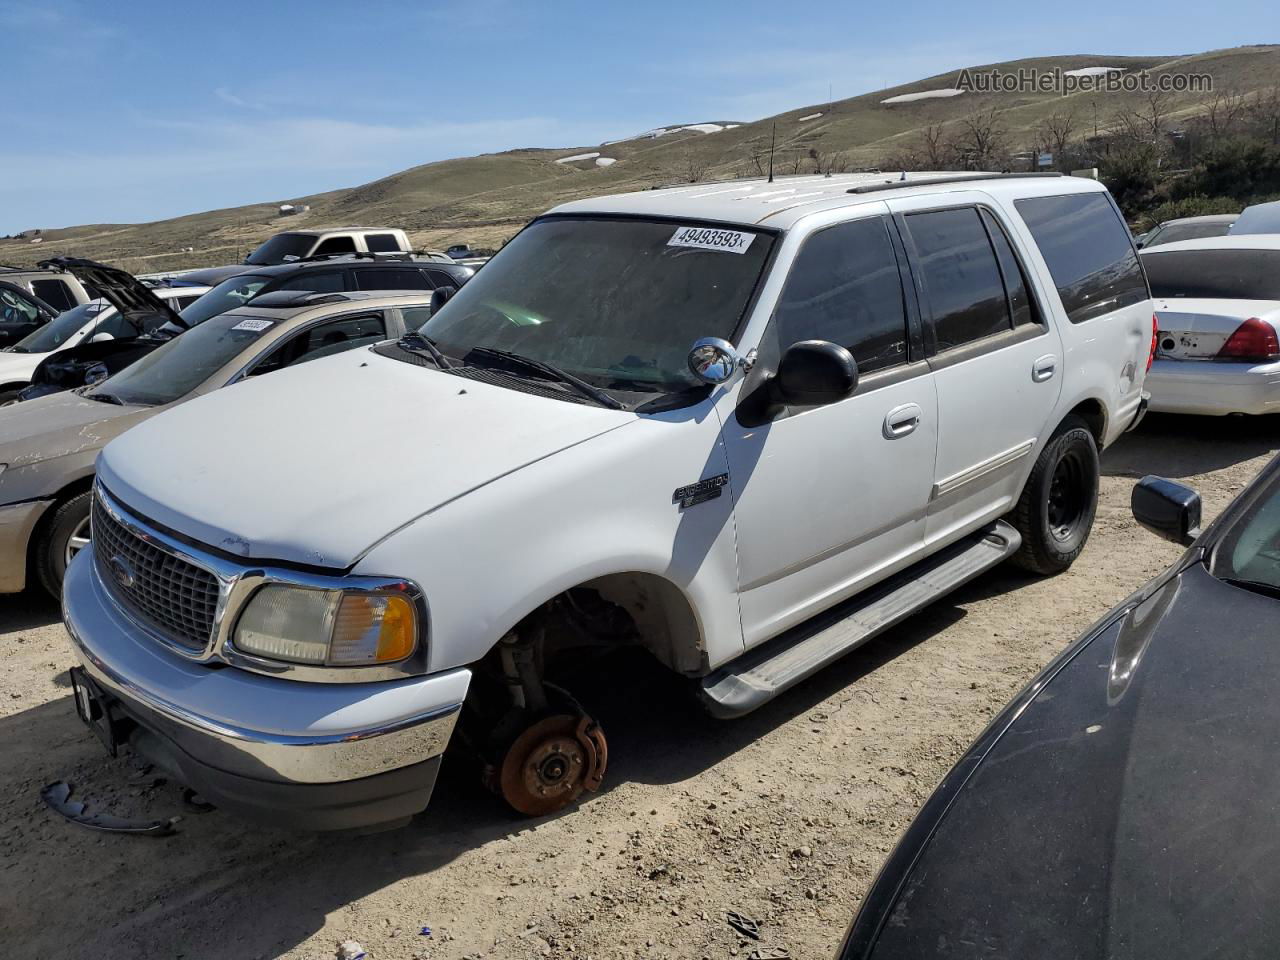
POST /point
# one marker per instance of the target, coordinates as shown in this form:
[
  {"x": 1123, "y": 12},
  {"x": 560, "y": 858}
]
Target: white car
[
  {"x": 1218, "y": 309},
  {"x": 91, "y": 322},
  {"x": 691, "y": 420}
]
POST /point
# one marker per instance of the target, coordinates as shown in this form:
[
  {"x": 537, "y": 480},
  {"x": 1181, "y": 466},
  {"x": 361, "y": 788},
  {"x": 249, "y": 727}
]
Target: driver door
[{"x": 830, "y": 499}]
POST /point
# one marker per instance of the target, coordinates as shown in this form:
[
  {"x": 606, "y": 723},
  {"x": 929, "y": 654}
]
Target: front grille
[{"x": 171, "y": 595}]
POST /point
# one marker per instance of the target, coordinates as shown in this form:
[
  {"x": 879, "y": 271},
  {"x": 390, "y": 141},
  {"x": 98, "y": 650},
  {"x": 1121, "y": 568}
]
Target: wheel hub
[
  {"x": 552, "y": 763},
  {"x": 78, "y": 540}
]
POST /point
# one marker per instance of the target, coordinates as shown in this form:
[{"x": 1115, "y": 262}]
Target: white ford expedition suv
[{"x": 744, "y": 426}]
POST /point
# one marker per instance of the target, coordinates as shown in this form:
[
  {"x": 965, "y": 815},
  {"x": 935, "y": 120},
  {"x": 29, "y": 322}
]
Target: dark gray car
[{"x": 1124, "y": 805}]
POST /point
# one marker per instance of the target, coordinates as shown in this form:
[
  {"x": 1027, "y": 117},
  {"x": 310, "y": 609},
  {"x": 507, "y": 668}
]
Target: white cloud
[{"x": 226, "y": 96}]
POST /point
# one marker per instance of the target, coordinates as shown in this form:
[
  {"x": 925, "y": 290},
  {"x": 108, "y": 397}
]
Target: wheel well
[
  {"x": 1094, "y": 414},
  {"x": 72, "y": 489}
]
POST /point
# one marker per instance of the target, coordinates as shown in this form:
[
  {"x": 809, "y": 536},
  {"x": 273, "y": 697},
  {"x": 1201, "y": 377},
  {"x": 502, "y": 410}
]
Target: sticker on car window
[
  {"x": 709, "y": 238},
  {"x": 257, "y": 326}
]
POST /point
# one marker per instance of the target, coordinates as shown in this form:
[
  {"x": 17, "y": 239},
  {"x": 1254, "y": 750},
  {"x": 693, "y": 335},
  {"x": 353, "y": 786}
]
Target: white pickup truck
[{"x": 744, "y": 426}]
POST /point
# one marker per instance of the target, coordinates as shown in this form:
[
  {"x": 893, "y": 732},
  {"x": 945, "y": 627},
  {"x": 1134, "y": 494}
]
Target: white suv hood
[{"x": 316, "y": 463}]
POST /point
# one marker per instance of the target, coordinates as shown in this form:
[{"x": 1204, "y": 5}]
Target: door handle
[
  {"x": 902, "y": 420},
  {"x": 1044, "y": 368}
]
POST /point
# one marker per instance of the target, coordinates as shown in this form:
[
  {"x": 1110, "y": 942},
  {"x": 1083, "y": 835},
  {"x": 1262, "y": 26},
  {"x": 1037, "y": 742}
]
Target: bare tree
[
  {"x": 1150, "y": 118},
  {"x": 757, "y": 160},
  {"x": 1264, "y": 112},
  {"x": 1224, "y": 111},
  {"x": 934, "y": 148},
  {"x": 695, "y": 167},
  {"x": 1055, "y": 132},
  {"x": 795, "y": 162},
  {"x": 981, "y": 140}
]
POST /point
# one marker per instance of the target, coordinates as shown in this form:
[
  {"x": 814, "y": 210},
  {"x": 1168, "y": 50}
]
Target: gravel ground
[{"x": 784, "y": 816}]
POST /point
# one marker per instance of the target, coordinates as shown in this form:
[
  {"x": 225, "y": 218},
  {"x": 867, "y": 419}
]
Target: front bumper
[
  {"x": 316, "y": 756},
  {"x": 17, "y": 521},
  {"x": 1213, "y": 388}
]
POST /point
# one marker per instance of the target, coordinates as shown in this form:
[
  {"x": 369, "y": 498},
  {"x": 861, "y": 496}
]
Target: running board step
[{"x": 779, "y": 664}]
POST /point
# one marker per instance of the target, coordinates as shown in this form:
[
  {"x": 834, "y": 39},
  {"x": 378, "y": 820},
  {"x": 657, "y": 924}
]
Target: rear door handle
[
  {"x": 902, "y": 420},
  {"x": 1044, "y": 368}
]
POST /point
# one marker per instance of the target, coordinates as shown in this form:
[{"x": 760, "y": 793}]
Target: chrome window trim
[{"x": 237, "y": 583}]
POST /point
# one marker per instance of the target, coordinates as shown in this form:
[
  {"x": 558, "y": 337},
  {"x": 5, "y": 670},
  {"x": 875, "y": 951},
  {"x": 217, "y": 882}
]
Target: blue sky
[{"x": 138, "y": 111}]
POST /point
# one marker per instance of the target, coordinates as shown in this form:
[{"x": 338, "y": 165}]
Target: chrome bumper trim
[{"x": 330, "y": 758}]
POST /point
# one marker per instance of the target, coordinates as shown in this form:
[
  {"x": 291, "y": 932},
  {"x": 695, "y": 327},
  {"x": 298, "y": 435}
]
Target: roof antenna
[{"x": 773, "y": 139}]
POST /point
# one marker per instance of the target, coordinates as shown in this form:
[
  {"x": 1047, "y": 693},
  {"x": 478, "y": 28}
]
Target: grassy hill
[{"x": 484, "y": 200}]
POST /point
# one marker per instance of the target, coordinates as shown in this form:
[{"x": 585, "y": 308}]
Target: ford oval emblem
[{"x": 121, "y": 571}]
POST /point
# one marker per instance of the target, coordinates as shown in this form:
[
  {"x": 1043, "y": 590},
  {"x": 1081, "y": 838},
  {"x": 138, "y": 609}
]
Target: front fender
[{"x": 600, "y": 508}]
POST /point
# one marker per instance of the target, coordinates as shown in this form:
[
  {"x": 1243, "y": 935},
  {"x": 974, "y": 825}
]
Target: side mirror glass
[
  {"x": 1169, "y": 510},
  {"x": 815, "y": 372},
  {"x": 713, "y": 360}
]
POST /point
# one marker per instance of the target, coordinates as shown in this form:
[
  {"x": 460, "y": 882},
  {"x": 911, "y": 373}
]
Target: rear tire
[
  {"x": 66, "y": 533},
  {"x": 1056, "y": 510},
  {"x": 9, "y": 396}
]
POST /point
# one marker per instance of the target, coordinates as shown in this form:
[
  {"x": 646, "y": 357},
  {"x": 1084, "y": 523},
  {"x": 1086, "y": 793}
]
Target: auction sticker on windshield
[
  {"x": 255, "y": 325},
  {"x": 707, "y": 238}
]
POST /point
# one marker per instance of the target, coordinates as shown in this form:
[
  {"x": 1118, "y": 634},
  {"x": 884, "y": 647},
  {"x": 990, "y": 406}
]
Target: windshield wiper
[
  {"x": 417, "y": 343},
  {"x": 1257, "y": 586},
  {"x": 104, "y": 398},
  {"x": 547, "y": 370}
]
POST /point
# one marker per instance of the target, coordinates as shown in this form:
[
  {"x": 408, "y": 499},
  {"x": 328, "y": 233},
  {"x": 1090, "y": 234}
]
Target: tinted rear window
[
  {"x": 382, "y": 242},
  {"x": 399, "y": 278},
  {"x": 1215, "y": 274},
  {"x": 1089, "y": 253},
  {"x": 55, "y": 293}
]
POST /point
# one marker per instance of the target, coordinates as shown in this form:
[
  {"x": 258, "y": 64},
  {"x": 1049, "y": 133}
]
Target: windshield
[
  {"x": 1185, "y": 231},
  {"x": 227, "y": 295},
  {"x": 175, "y": 369},
  {"x": 281, "y": 248},
  {"x": 61, "y": 328},
  {"x": 1215, "y": 274},
  {"x": 1261, "y": 218},
  {"x": 617, "y": 303}
]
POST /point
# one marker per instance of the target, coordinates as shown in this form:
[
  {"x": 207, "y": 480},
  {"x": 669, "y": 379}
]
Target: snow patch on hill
[
  {"x": 924, "y": 95},
  {"x": 812, "y": 116},
  {"x": 606, "y": 161},
  {"x": 1092, "y": 71},
  {"x": 579, "y": 156}
]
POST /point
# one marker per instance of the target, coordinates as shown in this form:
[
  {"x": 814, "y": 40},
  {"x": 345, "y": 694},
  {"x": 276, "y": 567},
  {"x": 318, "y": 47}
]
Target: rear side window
[
  {"x": 335, "y": 245},
  {"x": 401, "y": 278},
  {"x": 414, "y": 317},
  {"x": 1089, "y": 253},
  {"x": 845, "y": 287},
  {"x": 324, "y": 339},
  {"x": 382, "y": 243},
  {"x": 55, "y": 293},
  {"x": 961, "y": 278}
]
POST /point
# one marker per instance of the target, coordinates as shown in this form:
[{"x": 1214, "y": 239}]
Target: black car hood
[
  {"x": 1129, "y": 810},
  {"x": 129, "y": 295},
  {"x": 212, "y": 276}
]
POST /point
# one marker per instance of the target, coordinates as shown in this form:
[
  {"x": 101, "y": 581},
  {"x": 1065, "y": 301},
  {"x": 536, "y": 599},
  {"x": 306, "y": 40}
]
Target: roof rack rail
[
  {"x": 953, "y": 178},
  {"x": 358, "y": 255}
]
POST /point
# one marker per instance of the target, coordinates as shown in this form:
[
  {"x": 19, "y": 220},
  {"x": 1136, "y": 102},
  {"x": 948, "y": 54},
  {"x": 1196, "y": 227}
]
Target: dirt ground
[{"x": 784, "y": 816}]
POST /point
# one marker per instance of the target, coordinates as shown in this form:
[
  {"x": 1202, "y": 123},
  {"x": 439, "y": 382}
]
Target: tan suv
[
  {"x": 59, "y": 290},
  {"x": 48, "y": 446}
]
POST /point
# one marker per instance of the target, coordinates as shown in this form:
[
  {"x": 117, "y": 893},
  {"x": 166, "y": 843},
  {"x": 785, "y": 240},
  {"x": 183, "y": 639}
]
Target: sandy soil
[{"x": 784, "y": 816}]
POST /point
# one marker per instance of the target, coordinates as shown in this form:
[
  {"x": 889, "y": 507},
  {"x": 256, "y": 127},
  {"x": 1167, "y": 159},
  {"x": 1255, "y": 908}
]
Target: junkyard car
[
  {"x": 1218, "y": 305},
  {"x": 1188, "y": 228},
  {"x": 49, "y": 445},
  {"x": 59, "y": 290},
  {"x": 95, "y": 322},
  {"x": 21, "y": 313},
  {"x": 298, "y": 245},
  {"x": 1123, "y": 805},
  {"x": 688, "y": 419}
]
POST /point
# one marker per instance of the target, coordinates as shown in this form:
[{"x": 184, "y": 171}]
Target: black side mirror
[
  {"x": 815, "y": 372},
  {"x": 440, "y": 296},
  {"x": 1169, "y": 510}
]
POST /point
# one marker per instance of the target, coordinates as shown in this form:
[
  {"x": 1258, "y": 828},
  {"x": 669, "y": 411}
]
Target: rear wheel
[
  {"x": 1056, "y": 510},
  {"x": 65, "y": 535},
  {"x": 9, "y": 396}
]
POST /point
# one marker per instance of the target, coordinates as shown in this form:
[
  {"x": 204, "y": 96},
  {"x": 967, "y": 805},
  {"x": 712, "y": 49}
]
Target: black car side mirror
[
  {"x": 1168, "y": 509},
  {"x": 440, "y": 296},
  {"x": 815, "y": 372}
]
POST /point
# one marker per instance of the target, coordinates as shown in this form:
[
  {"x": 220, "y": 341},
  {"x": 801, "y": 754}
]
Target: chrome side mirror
[{"x": 713, "y": 360}]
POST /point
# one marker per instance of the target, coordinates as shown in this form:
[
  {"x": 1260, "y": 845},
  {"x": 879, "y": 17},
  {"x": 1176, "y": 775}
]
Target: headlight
[{"x": 327, "y": 627}]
